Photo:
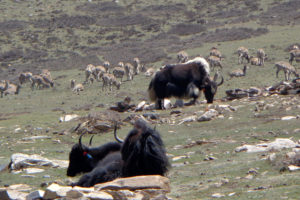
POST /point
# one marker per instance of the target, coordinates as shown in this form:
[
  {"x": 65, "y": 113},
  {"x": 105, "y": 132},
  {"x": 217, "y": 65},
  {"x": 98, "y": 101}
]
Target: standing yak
[{"x": 183, "y": 81}]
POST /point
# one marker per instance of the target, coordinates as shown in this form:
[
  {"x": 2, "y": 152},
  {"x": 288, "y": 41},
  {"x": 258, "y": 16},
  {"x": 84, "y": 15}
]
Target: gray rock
[{"x": 35, "y": 195}]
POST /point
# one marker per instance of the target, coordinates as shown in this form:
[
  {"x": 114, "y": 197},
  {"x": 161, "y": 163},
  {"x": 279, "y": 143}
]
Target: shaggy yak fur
[
  {"x": 142, "y": 153},
  {"x": 182, "y": 81}
]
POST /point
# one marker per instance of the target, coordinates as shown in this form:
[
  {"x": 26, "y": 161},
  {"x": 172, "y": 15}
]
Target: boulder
[{"x": 56, "y": 191}]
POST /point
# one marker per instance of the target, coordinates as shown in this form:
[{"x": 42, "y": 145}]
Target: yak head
[
  {"x": 211, "y": 86},
  {"x": 79, "y": 159}
]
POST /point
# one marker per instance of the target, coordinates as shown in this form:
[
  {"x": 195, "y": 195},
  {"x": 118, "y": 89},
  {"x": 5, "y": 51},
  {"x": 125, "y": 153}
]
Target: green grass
[{"x": 196, "y": 179}]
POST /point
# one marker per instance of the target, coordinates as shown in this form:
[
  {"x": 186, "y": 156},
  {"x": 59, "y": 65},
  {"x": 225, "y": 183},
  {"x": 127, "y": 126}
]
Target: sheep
[
  {"x": 76, "y": 88},
  {"x": 243, "y": 53},
  {"x": 3, "y": 86},
  {"x": 287, "y": 69},
  {"x": 261, "y": 55},
  {"x": 254, "y": 60},
  {"x": 90, "y": 68},
  {"x": 25, "y": 77},
  {"x": 238, "y": 72},
  {"x": 110, "y": 80},
  {"x": 182, "y": 56},
  {"x": 129, "y": 70},
  {"x": 215, "y": 52},
  {"x": 137, "y": 67},
  {"x": 39, "y": 82},
  {"x": 294, "y": 54},
  {"x": 119, "y": 71},
  {"x": 214, "y": 61},
  {"x": 12, "y": 89}
]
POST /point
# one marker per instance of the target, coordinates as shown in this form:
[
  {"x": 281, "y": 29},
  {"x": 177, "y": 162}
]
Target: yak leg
[{"x": 159, "y": 104}]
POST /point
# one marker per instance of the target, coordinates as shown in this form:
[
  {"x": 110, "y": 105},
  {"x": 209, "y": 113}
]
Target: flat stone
[
  {"x": 56, "y": 191},
  {"x": 34, "y": 170},
  {"x": 99, "y": 196},
  {"x": 137, "y": 183},
  {"x": 288, "y": 118}
]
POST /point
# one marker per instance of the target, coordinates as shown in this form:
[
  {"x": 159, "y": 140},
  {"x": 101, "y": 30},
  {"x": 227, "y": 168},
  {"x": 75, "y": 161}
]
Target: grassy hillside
[{"x": 65, "y": 36}]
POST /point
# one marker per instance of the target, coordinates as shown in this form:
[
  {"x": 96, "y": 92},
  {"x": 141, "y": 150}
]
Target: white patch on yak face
[{"x": 202, "y": 61}]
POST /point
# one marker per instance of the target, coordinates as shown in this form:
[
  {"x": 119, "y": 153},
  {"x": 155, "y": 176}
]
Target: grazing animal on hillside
[
  {"x": 98, "y": 72},
  {"x": 3, "y": 86},
  {"x": 294, "y": 54},
  {"x": 25, "y": 77},
  {"x": 84, "y": 158},
  {"x": 142, "y": 153},
  {"x": 254, "y": 61},
  {"x": 39, "y": 82},
  {"x": 183, "y": 81},
  {"x": 90, "y": 68},
  {"x": 119, "y": 71},
  {"x": 137, "y": 67},
  {"x": 47, "y": 77},
  {"x": 12, "y": 89},
  {"x": 215, "y": 52},
  {"x": 287, "y": 68},
  {"x": 261, "y": 55},
  {"x": 243, "y": 53},
  {"x": 182, "y": 56},
  {"x": 238, "y": 72},
  {"x": 106, "y": 64},
  {"x": 76, "y": 88},
  {"x": 110, "y": 80},
  {"x": 214, "y": 61},
  {"x": 150, "y": 72},
  {"x": 129, "y": 71}
]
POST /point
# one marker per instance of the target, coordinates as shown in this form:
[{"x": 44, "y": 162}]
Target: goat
[
  {"x": 3, "y": 86},
  {"x": 238, "y": 72},
  {"x": 243, "y": 53},
  {"x": 214, "y": 61},
  {"x": 106, "y": 64},
  {"x": 182, "y": 56},
  {"x": 25, "y": 77},
  {"x": 254, "y": 61},
  {"x": 90, "y": 68},
  {"x": 12, "y": 89},
  {"x": 76, "y": 88},
  {"x": 110, "y": 80},
  {"x": 137, "y": 67},
  {"x": 129, "y": 71},
  {"x": 150, "y": 72},
  {"x": 98, "y": 71},
  {"x": 215, "y": 52},
  {"x": 287, "y": 69},
  {"x": 261, "y": 55},
  {"x": 119, "y": 71},
  {"x": 39, "y": 82},
  {"x": 294, "y": 54}
]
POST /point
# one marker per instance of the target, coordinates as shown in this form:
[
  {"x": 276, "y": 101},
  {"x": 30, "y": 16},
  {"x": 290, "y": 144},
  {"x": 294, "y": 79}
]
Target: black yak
[
  {"x": 85, "y": 159},
  {"x": 142, "y": 153},
  {"x": 183, "y": 81}
]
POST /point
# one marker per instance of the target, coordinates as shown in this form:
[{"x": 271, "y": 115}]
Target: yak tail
[{"x": 151, "y": 91}]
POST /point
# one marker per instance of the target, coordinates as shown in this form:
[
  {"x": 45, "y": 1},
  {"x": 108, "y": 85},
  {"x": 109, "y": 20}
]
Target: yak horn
[
  {"x": 115, "y": 134},
  {"x": 222, "y": 81},
  {"x": 90, "y": 143},
  {"x": 79, "y": 142}
]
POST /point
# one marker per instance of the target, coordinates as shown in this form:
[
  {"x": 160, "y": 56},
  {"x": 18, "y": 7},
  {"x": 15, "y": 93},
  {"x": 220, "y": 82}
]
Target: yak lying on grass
[
  {"x": 142, "y": 153},
  {"x": 85, "y": 159},
  {"x": 183, "y": 81}
]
